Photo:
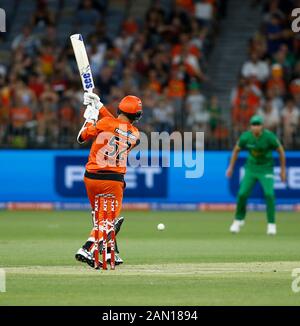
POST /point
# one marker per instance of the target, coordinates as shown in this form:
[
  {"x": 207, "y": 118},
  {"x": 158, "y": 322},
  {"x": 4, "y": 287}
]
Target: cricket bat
[
  {"x": 83, "y": 67},
  {"x": 82, "y": 62}
]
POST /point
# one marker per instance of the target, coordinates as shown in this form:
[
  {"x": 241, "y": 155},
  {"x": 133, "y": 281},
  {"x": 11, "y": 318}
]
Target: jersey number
[{"x": 117, "y": 149}]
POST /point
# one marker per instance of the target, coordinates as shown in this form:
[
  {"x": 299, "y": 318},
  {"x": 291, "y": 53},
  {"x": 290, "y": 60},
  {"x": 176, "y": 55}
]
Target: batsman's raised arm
[
  {"x": 94, "y": 105},
  {"x": 91, "y": 115}
]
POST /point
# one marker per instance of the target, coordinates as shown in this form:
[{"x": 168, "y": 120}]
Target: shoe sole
[{"x": 83, "y": 259}]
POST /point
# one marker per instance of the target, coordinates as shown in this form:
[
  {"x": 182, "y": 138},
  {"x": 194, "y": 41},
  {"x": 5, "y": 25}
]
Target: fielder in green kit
[{"x": 260, "y": 143}]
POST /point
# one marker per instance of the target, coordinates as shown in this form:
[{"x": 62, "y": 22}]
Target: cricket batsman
[
  {"x": 260, "y": 143},
  {"x": 113, "y": 138}
]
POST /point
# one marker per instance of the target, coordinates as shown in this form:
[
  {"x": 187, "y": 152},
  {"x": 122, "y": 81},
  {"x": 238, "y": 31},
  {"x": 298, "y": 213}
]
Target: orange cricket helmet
[{"x": 131, "y": 106}]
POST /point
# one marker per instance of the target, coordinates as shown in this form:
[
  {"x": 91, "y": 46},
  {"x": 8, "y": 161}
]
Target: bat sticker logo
[{"x": 87, "y": 77}]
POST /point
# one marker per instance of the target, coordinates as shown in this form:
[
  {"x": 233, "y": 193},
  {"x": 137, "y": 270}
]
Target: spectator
[
  {"x": 4, "y": 109},
  {"x": 248, "y": 93},
  {"x": 258, "y": 45},
  {"x": 42, "y": 17},
  {"x": 19, "y": 116},
  {"x": 276, "y": 82},
  {"x": 274, "y": 34},
  {"x": 5, "y": 92},
  {"x": 124, "y": 42},
  {"x": 150, "y": 99},
  {"x": 96, "y": 53},
  {"x": 50, "y": 37},
  {"x": 187, "y": 54},
  {"x": 255, "y": 68},
  {"x": 163, "y": 116},
  {"x": 116, "y": 94},
  {"x": 3, "y": 71},
  {"x": 22, "y": 64},
  {"x": 153, "y": 82},
  {"x": 294, "y": 86},
  {"x": 271, "y": 116},
  {"x": 87, "y": 15},
  {"x": 66, "y": 119},
  {"x": 186, "y": 5},
  {"x": 176, "y": 92},
  {"x": 50, "y": 97},
  {"x": 214, "y": 111},
  {"x": 243, "y": 110},
  {"x": 36, "y": 84},
  {"x": 290, "y": 124},
  {"x": 128, "y": 82},
  {"x": 27, "y": 41},
  {"x": 285, "y": 59},
  {"x": 204, "y": 12},
  {"x": 47, "y": 59},
  {"x": 197, "y": 115},
  {"x": 295, "y": 90},
  {"x": 60, "y": 78},
  {"x": 23, "y": 94},
  {"x": 130, "y": 26},
  {"x": 105, "y": 81},
  {"x": 47, "y": 124},
  {"x": 199, "y": 37},
  {"x": 277, "y": 101},
  {"x": 273, "y": 9}
]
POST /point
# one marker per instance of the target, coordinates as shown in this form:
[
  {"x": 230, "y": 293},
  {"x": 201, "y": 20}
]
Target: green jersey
[{"x": 260, "y": 149}]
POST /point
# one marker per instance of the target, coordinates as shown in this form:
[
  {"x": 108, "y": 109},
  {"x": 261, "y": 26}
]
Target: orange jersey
[
  {"x": 113, "y": 140},
  {"x": 20, "y": 115}
]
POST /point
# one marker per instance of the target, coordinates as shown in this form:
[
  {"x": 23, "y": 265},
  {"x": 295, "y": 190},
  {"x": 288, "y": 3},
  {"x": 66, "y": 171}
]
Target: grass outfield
[{"x": 195, "y": 261}]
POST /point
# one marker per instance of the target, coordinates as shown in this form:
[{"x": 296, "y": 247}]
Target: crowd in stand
[
  {"x": 269, "y": 83},
  {"x": 162, "y": 58}
]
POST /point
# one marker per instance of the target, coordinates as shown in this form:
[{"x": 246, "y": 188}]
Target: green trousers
[{"x": 266, "y": 179}]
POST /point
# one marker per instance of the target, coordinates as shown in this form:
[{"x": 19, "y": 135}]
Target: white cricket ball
[{"x": 160, "y": 227}]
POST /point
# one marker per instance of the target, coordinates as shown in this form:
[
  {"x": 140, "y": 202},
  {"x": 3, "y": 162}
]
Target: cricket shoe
[
  {"x": 85, "y": 256},
  {"x": 271, "y": 229},
  {"x": 236, "y": 226},
  {"x": 118, "y": 259}
]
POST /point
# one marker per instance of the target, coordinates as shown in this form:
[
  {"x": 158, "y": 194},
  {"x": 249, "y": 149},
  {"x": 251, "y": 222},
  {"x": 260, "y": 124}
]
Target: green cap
[{"x": 257, "y": 120}]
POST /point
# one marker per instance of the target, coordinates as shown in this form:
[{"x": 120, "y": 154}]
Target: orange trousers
[{"x": 96, "y": 187}]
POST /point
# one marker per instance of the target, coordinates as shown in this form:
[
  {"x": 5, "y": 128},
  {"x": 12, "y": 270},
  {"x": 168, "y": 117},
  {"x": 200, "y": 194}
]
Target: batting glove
[
  {"x": 92, "y": 99},
  {"x": 91, "y": 114}
]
